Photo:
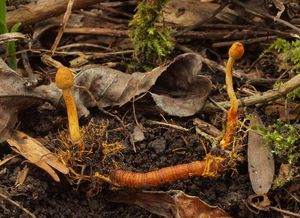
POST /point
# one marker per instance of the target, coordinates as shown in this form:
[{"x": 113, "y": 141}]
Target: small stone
[{"x": 158, "y": 145}]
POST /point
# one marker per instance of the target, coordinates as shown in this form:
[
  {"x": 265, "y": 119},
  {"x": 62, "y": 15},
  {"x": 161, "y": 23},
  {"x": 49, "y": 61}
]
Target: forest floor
[{"x": 137, "y": 133}]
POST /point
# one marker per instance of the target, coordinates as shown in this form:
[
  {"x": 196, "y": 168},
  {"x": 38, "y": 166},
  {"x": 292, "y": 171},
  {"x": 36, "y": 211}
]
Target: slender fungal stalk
[
  {"x": 236, "y": 51},
  {"x": 64, "y": 80}
]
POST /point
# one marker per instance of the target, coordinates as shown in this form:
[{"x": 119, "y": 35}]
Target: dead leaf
[
  {"x": 176, "y": 88},
  {"x": 260, "y": 159},
  {"x": 190, "y": 12},
  {"x": 171, "y": 204},
  {"x": 21, "y": 176},
  {"x": 288, "y": 112},
  {"x": 36, "y": 153},
  {"x": 259, "y": 202},
  {"x": 13, "y": 97},
  {"x": 137, "y": 135}
]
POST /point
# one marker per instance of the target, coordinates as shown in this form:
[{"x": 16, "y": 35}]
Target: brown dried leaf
[
  {"x": 36, "y": 153},
  {"x": 171, "y": 204},
  {"x": 288, "y": 112},
  {"x": 176, "y": 87},
  {"x": 260, "y": 159},
  {"x": 22, "y": 175},
  {"x": 13, "y": 97},
  {"x": 190, "y": 12}
]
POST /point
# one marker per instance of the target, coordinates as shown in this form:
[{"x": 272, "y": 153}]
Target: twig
[
  {"x": 285, "y": 211},
  {"x": 169, "y": 125},
  {"x": 261, "y": 14},
  {"x": 217, "y": 104},
  {"x": 86, "y": 45},
  {"x": 264, "y": 97},
  {"x": 17, "y": 205},
  {"x": 62, "y": 26},
  {"x": 97, "y": 31},
  {"x": 7, "y": 159},
  {"x": 119, "y": 3},
  {"x": 41, "y": 9},
  {"x": 207, "y": 127},
  {"x": 10, "y": 37},
  {"x": 222, "y": 34},
  {"x": 244, "y": 41}
]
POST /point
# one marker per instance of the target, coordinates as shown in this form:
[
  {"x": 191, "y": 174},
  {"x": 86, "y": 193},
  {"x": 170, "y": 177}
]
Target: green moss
[
  {"x": 289, "y": 50},
  {"x": 284, "y": 139},
  {"x": 151, "y": 42},
  {"x": 291, "y": 55}
]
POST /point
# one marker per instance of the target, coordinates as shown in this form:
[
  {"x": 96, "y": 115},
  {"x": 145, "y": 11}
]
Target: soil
[{"x": 162, "y": 146}]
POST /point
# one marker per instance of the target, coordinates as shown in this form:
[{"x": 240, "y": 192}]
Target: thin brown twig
[
  {"x": 97, "y": 31},
  {"x": 62, "y": 26},
  {"x": 3, "y": 196},
  {"x": 7, "y": 159},
  {"x": 284, "y": 211},
  {"x": 265, "y": 15},
  {"x": 173, "y": 126},
  {"x": 40, "y": 10},
  {"x": 244, "y": 41},
  {"x": 264, "y": 97}
]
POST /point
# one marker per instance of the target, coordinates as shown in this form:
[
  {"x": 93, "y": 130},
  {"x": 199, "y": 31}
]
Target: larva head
[
  {"x": 64, "y": 78},
  {"x": 236, "y": 50}
]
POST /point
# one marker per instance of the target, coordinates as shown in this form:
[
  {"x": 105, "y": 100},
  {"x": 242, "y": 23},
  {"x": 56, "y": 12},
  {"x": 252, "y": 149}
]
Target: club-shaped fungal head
[
  {"x": 236, "y": 50},
  {"x": 64, "y": 78}
]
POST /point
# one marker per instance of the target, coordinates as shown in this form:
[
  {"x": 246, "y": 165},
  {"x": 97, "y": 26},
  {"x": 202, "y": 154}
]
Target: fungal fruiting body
[
  {"x": 236, "y": 51},
  {"x": 64, "y": 80},
  {"x": 208, "y": 167}
]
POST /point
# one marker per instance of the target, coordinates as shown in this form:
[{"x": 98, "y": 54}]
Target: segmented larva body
[{"x": 164, "y": 175}]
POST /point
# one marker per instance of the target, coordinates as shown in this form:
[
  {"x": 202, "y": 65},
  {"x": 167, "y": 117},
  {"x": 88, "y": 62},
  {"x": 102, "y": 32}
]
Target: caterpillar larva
[{"x": 166, "y": 175}]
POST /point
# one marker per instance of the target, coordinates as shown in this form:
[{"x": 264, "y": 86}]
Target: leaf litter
[{"x": 174, "y": 100}]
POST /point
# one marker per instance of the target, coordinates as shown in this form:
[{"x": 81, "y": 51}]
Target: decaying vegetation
[{"x": 131, "y": 101}]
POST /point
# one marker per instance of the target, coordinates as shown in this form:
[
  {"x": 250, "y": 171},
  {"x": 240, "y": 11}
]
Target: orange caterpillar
[{"x": 209, "y": 167}]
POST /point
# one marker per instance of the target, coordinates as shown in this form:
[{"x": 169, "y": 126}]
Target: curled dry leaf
[
  {"x": 13, "y": 97},
  {"x": 171, "y": 204},
  {"x": 176, "y": 88},
  {"x": 21, "y": 176},
  {"x": 260, "y": 159},
  {"x": 36, "y": 153}
]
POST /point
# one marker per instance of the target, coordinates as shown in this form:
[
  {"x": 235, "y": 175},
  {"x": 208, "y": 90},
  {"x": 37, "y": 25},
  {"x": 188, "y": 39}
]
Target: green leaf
[
  {"x": 3, "y": 11},
  {"x": 3, "y": 27},
  {"x": 12, "y": 59},
  {"x": 15, "y": 27}
]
